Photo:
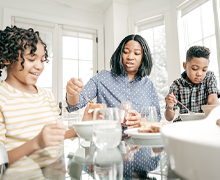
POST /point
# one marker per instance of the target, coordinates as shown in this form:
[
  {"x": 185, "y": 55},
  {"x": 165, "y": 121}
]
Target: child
[
  {"x": 196, "y": 87},
  {"x": 29, "y": 115}
]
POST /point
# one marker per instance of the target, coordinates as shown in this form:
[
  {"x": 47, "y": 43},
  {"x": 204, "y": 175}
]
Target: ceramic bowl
[
  {"x": 208, "y": 108},
  {"x": 84, "y": 129},
  {"x": 193, "y": 147},
  {"x": 192, "y": 117}
]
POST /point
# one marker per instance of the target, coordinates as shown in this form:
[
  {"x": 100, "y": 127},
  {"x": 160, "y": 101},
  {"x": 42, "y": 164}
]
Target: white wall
[{"x": 51, "y": 8}]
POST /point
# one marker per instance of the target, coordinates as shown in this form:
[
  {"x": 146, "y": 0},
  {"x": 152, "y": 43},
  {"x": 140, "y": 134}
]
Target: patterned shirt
[
  {"x": 111, "y": 89},
  {"x": 193, "y": 96}
]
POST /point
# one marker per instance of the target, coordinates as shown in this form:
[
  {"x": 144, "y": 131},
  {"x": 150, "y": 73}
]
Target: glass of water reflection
[{"x": 107, "y": 130}]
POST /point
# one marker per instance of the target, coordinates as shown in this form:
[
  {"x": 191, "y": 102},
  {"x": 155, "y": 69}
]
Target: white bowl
[
  {"x": 192, "y": 117},
  {"x": 193, "y": 147},
  {"x": 208, "y": 108},
  {"x": 84, "y": 129}
]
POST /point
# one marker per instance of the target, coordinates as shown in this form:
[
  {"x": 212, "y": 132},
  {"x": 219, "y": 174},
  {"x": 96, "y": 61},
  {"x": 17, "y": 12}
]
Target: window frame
[{"x": 56, "y": 22}]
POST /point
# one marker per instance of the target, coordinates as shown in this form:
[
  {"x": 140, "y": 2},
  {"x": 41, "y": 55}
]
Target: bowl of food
[
  {"x": 84, "y": 129},
  {"x": 208, "y": 108},
  {"x": 193, "y": 147},
  {"x": 192, "y": 117}
]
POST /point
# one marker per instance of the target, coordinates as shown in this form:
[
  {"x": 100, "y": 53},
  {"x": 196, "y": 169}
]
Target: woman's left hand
[
  {"x": 133, "y": 119},
  {"x": 87, "y": 116}
]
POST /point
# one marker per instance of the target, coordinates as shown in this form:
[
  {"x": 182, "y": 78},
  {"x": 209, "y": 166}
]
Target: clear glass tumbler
[
  {"x": 148, "y": 115},
  {"x": 125, "y": 106},
  {"x": 107, "y": 130}
]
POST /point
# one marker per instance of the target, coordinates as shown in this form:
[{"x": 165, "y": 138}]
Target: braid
[{"x": 13, "y": 39}]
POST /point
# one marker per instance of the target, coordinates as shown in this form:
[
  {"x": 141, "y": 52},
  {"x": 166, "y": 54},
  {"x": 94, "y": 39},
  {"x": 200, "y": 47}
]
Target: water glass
[
  {"x": 108, "y": 164},
  {"x": 125, "y": 105},
  {"x": 107, "y": 130},
  {"x": 148, "y": 115}
]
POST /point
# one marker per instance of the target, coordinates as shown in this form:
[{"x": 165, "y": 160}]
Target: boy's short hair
[{"x": 197, "y": 51}]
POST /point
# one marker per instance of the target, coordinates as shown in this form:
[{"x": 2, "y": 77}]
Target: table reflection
[{"x": 131, "y": 159}]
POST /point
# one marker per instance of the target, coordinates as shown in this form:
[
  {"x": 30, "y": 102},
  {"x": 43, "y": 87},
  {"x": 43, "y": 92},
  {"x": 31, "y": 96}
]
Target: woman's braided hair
[{"x": 13, "y": 39}]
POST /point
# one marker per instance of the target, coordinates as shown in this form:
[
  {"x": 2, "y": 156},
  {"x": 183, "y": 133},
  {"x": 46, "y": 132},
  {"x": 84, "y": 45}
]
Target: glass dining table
[{"x": 79, "y": 159}]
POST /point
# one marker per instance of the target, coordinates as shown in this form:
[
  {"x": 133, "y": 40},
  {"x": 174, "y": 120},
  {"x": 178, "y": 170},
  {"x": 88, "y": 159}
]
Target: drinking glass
[
  {"x": 108, "y": 164},
  {"x": 125, "y": 106},
  {"x": 148, "y": 115},
  {"x": 107, "y": 130}
]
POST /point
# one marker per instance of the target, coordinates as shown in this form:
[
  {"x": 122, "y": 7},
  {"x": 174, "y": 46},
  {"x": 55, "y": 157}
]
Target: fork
[
  {"x": 190, "y": 112},
  {"x": 87, "y": 99}
]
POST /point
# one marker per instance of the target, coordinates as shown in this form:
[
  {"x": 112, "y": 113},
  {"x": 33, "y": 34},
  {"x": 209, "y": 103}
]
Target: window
[
  {"x": 155, "y": 37},
  {"x": 78, "y": 58},
  {"x": 75, "y": 46},
  {"x": 199, "y": 29}
]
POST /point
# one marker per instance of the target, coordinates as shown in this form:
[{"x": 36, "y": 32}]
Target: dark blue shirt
[{"x": 111, "y": 89}]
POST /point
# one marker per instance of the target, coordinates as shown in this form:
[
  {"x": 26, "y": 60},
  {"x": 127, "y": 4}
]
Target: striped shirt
[
  {"x": 22, "y": 117},
  {"x": 193, "y": 96}
]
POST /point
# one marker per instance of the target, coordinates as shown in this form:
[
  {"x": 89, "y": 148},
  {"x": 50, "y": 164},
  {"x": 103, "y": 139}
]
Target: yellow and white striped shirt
[{"x": 22, "y": 117}]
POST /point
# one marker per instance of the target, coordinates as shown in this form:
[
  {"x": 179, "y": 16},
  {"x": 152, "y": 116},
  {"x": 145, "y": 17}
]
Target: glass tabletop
[{"x": 80, "y": 159}]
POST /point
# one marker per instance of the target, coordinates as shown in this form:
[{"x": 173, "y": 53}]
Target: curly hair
[
  {"x": 197, "y": 51},
  {"x": 116, "y": 62},
  {"x": 13, "y": 39}
]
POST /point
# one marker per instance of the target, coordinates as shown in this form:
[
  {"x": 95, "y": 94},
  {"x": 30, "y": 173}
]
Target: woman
[{"x": 127, "y": 81}]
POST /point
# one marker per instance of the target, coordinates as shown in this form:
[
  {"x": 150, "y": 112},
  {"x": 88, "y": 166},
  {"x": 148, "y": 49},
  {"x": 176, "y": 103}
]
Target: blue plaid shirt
[
  {"x": 193, "y": 96},
  {"x": 111, "y": 89}
]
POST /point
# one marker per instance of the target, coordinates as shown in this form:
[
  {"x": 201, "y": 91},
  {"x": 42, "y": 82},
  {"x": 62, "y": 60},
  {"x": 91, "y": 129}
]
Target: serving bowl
[
  {"x": 192, "y": 117},
  {"x": 84, "y": 129},
  {"x": 193, "y": 147},
  {"x": 208, "y": 108}
]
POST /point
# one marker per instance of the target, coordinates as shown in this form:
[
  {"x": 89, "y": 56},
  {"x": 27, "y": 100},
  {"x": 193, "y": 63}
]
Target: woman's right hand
[
  {"x": 74, "y": 86},
  {"x": 170, "y": 100},
  {"x": 50, "y": 135}
]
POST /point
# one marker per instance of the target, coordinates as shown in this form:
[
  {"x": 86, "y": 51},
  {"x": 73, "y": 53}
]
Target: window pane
[
  {"x": 148, "y": 35},
  {"x": 45, "y": 79},
  {"x": 70, "y": 69},
  {"x": 194, "y": 26},
  {"x": 156, "y": 38},
  {"x": 85, "y": 49},
  {"x": 208, "y": 19},
  {"x": 70, "y": 47},
  {"x": 159, "y": 39},
  {"x": 213, "y": 64},
  {"x": 85, "y": 70}
]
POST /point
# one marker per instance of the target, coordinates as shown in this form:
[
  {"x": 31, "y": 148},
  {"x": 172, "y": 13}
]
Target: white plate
[{"x": 135, "y": 134}]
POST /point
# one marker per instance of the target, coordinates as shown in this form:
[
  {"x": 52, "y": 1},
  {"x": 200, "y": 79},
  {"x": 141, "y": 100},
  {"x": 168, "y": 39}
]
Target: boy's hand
[
  {"x": 74, "y": 86},
  {"x": 170, "y": 100},
  {"x": 50, "y": 135}
]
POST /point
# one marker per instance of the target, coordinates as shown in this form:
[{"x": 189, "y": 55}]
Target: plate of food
[{"x": 150, "y": 131}]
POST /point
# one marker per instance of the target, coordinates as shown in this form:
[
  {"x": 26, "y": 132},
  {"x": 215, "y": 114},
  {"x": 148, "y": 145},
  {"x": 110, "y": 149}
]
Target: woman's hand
[
  {"x": 50, "y": 135},
  {"x": 133, "y": 119},
  {"x": 87, "y": 116},
  {"x": 74, "y": 86}
]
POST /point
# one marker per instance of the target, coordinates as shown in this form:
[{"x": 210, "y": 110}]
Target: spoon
[
  {"x": 87, "y": 99},
  {"x": 190, "y": 112}
]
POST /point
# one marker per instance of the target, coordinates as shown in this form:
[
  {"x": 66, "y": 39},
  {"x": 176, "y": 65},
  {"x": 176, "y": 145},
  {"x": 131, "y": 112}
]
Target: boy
[{"x": 196, "y": 87}]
